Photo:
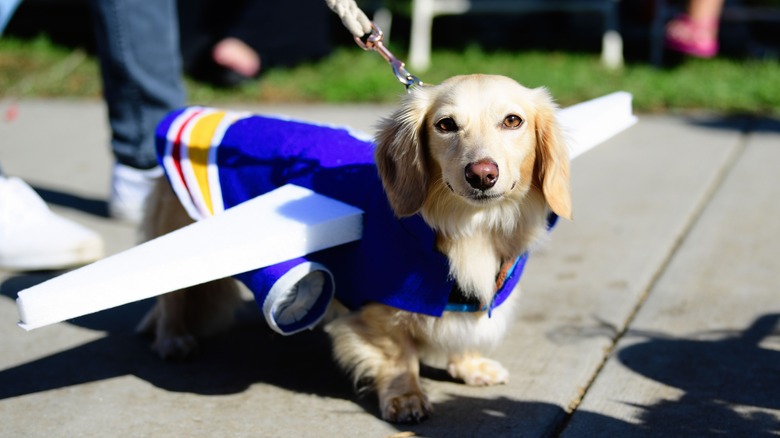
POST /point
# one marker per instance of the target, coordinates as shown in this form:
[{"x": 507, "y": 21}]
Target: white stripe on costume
[{"x": 179, "y": 186}]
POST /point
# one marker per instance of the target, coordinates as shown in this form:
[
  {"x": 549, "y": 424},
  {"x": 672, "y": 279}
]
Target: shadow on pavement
[
  {"x": 729, "y": 380},
  {"x": 718, "y": 371},
  {"x": 727, "y": 377},
  {"x": 733, "y": 369},
  {"x": 744, "y": 124},
  {"x": 248, "y": 354},
  {"x": 95, "y": 207}
]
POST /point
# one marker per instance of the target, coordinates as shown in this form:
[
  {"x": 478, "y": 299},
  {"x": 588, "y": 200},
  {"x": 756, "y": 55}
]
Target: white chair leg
[
  {"x": 420, "y": 44},
  {"x": 612, "y": 49}
]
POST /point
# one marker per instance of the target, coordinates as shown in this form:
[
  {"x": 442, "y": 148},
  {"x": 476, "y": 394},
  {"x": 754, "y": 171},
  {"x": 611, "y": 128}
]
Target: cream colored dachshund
[{"x": 482, "y": 160}]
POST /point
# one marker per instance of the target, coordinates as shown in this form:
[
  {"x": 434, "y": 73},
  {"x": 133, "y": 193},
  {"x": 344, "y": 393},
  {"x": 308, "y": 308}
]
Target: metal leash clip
[{"x": 373, "y": 42}]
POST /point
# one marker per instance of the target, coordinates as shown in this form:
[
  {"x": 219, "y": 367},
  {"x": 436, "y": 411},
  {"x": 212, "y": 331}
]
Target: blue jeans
[
  {"x": 7, "y": 9},
  {"x": 140, "y": 60}
]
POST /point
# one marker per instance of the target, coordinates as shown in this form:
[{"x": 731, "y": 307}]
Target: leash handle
[{"x": 373, "y": 42}]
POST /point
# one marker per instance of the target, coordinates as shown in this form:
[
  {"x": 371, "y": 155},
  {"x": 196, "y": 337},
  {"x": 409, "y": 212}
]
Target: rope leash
[
  {"x": 373, "y": 42},
  {"x": 355, "y": 20},
  {"x": 369, "y": 37}
]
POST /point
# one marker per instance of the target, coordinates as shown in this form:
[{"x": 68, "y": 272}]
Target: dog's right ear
[{"x": 400, "y": 154}]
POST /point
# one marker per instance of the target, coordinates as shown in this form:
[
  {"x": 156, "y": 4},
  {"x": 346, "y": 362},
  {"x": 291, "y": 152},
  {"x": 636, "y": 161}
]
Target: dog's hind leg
[{"x": 178, "y": 319}]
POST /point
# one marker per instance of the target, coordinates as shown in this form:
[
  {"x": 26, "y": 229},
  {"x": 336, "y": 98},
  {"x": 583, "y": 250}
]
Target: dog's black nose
[{"x": 482, "y": 174}]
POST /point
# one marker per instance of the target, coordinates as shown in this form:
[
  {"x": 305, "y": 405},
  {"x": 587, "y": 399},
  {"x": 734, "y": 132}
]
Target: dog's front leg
[
  {"x": 477, "y": 370},
  {"x": 401, "y": 397},
  {"x": 373, "y": 344}
]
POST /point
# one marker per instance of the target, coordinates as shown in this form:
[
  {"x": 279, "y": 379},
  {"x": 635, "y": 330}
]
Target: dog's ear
[
  {"x": 552, "y": 156},
  {"x": 400, "y": 154}
]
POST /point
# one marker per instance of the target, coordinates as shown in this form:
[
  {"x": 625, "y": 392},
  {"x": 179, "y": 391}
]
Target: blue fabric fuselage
[{"x": 395, "y": 263}]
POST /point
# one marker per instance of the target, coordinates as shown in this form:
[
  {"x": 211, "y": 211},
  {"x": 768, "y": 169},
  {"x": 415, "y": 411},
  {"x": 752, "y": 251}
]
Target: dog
[{"x": 482, "y": 160}]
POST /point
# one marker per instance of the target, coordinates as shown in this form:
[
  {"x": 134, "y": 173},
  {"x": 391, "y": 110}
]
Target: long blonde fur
[{"x": 422, "y": 170}]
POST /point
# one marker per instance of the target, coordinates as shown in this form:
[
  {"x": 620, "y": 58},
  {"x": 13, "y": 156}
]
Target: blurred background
[{"x": 578, "y": 49}]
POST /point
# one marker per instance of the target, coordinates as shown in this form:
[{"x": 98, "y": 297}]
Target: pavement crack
[{"x": 698, "y": 212}]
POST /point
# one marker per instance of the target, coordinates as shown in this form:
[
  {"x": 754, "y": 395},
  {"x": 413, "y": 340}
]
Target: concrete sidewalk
[{"x": 655, "y": 313}]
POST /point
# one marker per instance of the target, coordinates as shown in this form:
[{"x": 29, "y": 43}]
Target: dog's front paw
[
  {"x": 476, "y": 370},
  {"x": 411, "y": 407},
  {"x": 175, "y": 346}
]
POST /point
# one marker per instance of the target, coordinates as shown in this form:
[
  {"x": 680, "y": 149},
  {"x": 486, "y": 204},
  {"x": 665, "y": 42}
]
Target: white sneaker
[
  {"x": 129, "y": 189},
  {"x": 32, "y": 237}
]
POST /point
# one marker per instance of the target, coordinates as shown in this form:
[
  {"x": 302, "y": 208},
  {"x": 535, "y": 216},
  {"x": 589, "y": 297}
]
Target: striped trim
[
  {"x": 171, "y": 159},
  {"x": 195, "y": 160},
  {"x": 190, "y": 158}
]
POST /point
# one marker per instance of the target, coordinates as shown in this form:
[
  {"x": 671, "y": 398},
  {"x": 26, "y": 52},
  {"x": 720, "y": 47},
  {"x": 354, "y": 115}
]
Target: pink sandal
[{"x": 695, "y": 38}]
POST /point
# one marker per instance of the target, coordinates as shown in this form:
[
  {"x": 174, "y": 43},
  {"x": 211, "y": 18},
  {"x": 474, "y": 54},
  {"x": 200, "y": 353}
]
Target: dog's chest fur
[{"x": 478, "y": 242}]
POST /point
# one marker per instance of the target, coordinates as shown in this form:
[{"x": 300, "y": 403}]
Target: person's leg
[
  {"x": 138, "y": 47},
  {"x": 705, "y": 10},
  {"x": 7, "y": 9}
]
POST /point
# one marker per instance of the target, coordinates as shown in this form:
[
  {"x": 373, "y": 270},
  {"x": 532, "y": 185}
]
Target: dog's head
[{"x": 485, "y": 138}]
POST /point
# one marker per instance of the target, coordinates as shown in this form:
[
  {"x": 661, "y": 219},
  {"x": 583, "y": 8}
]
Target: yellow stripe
[{"x": 200, "y": 142}]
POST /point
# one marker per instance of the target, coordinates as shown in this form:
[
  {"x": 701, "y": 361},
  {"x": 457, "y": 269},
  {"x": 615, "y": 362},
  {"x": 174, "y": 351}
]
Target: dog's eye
[
  {"x": 512, "y": 121},
  {"x": 447, "y": 125}
]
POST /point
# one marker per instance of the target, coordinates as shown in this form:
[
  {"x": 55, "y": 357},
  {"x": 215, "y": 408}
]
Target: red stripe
[{"x": 176, "y": 152}]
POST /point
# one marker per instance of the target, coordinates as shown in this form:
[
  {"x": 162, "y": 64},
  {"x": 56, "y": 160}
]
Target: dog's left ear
[{"x": 552, "y": 156}]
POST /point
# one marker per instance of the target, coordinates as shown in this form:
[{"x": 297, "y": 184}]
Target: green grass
[{"x": 38, "y": 68}]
